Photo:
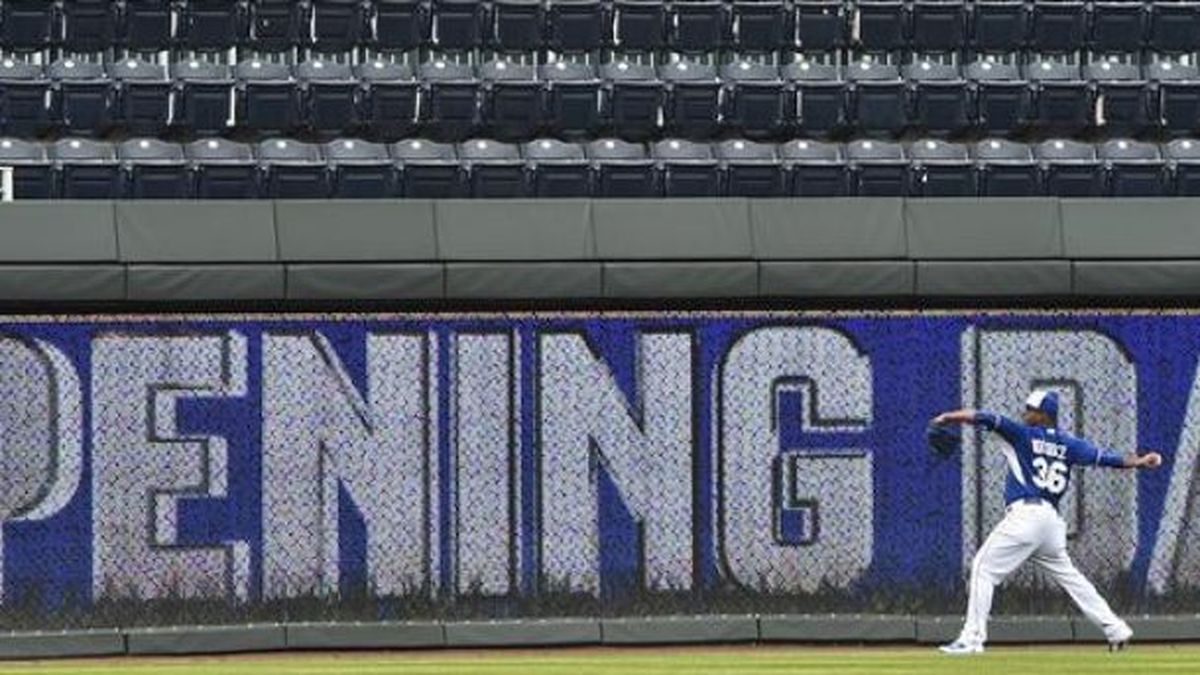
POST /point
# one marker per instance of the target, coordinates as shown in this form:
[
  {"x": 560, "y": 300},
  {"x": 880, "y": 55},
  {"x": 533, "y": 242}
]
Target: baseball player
[{"x": 1039, "y": 469}]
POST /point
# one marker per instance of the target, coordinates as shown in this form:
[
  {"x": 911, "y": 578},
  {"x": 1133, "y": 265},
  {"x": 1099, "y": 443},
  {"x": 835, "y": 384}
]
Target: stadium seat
[
  {"x": 494, "y": 169},
  {"x": 1062, "y": 99},
  {"x": 755, "y": 100},
  {"x": 821, "y": 25},
  {"x": 223, "y": 169},
  {"x": 623, "y": 169},
  {"x": 573, "y": 98},
  {"x": 879, "y": 97},
  {"x": 144, "y": 96},
  {"x": 1007, "y": 169},
  {"x": 1123, "y": 101},
  {"x": 292, "y": 170},
  {"x": 877, "y": 168},
  {"x": 815, "y": 169},
  {"x": 278, "y": 25},
  {"x": 452, "y": 93},
  {"x": 87, "y": 169},
  {"x": 1177, "y": 89},
  {"x": 1135, "y": 169},
  {"x": 457, "y": 24},
  {"x": 1183, "y": 157},
  {"x": 558, "y": 169},
  {"x": 360, "y": 169},
  {"x": 941, "y": 169},
  {"x": 881, "y": 25},
  {"x": 820, "y": 95},
  {"x": 1174, "y": 26},
  {"x": 147, "y": 25},
  {"x": 399, "y": 25},
  {"x": 84, "y": 96},
  {"x": 639, "y": 25},
  {"x": 941, "y": 101},
  {"x": 1118, "y": 26},
  {"x": 430, "y": 170},
  {"x": 204, "y": 97},
  {"x": 697, "y": 25},
  {"x": 688, "y": 169},
  {"x": 27, "y": 25},
  {"x": 24, "y": 92},
  {"x": 761, "y": 25},
  {"x": 154, "y": 169},
  {"x": 389, "y": 95},
  {"x": 750, "y": 169},
  {"x": 999, "y": 25},
  {"x": 329, "y": 95},
  {"x": 212, "y": 25},
  {"x": 577, "y": 25},
  {"x": 33, "y": 173},
  {"x": 693, "y": 98},
  {"x": 268, "y": 97},
  {"x": 516, "y": 25},
  {"x": 1070, "y": 168},
  {"x": 89, "y": 25},
  {"x": 337, "y": 25},
  {"x": 634, "y": 98},
  {"x": 939, "y": 25},
  {"x": 1003, "y": 100},
  {"x": 1058, "y": 25},
  {"x": 512, "y": 99}
]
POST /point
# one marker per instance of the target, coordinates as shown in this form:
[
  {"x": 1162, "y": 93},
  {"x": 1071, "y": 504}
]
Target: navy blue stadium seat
[
  {"x": 1123, "y": 100},
  {"x": 360, "y": 169},
  {"x": 941, "y": 169},
  {"x": 27, "y": 25},
  {"x": 1002, "y": 96},
  {"x": 223, "y": 169},
  {"x": 452, "y": 92},
  {"x": 999, "y": 25},
  {"x": 939, "y": 25},
  {"x": 268, "y": 97},
  {"x": 815, "y": 169},
  {"x": 84, "y": 96},
  {"x": 1062, "y": 98},
  {"x": 89, "y": 25},
  {"x": 429, "y": 170},
  {"x": 212, "y": 25},
  {"x": 693, "y": 98},
  {"x": 882, "y": 25},
  {"x": 941, "y": 100},
  {"x": 821, "y": 25},
  {"x": 573, "y": 99},
  {"x": 640, "y": 25},
  {"x": 880, "y": 101},
  {"x": 517, "y": 25},
  {"x": 292, "y": 170},
  {"x": 634, "y": 98},
  {"x": 458, "y": 24},
  {"x": 512, "y": 99},
  {"x": 399, "y": 25},
  {"x": 1174, "y": 26},
  {"x": 697, "y": 25},
  {"x": 1118, "y": 26},
  {"x": 329, "y": 92},
  {"x": 1058, "y": 25},
  {"x": 33, "y": 172},
  {"x": 1177, "y": 90},
  {"x": 688, "y": 169},
  {"x": 820, "y": 95},
  {"x": 1070, "y": 168},
  {"x": 24, "y": 91},
  {"x": 558, "y": 169},
  {"x": 1007, "y": 169},
  {"x": 389, "y": 94},
  {"x": 577, "y": 25},
  {"x": 337, "y": 25},
  {"x": 877, "y": 168},
  {"x": 204, "y": 97},
  {"x": 147, "y": 25},
  {"x": 494, "y": 169},
  {"x": 278, "y": 25},
  {"x": 623, "y": 169},
  {"x": 762, "y": 25},
  {"x": 756, "y": 101},
  {"x": 1135, "y": 169},
  {"x": 154, "y": 169},
  {"x": 144, "y": 96},
  {"x": 750, "y": 169},
  {"x": 87, "y": 169},
  {"x": 1183, "y": 157}
]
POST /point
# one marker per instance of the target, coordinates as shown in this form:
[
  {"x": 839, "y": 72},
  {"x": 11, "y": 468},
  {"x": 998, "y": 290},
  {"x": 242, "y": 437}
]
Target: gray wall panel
[
  {"x": 640, "y": 229},
  {"x": 384, "y": 635},
  {"x": 1131, "y": 228},
  {"x": 59, "y": 231},
  {"x": 677, "y": 630},
  {"x": 1027, "y": 629},
  {"x": 1149, "y": 277},
  {"x": 196, "y": 231},
  {"x": 984, "y": 278},
  {"x": 206, "y": 282},
  {"x": 365, "y": 281},
  {"x": 206, "y": 639},
  {"x": 57, "y": 645},
  {"x": 1145, "y": 628},
  {"x": 526, "y": 633},
  {"x": 62, "y": 282},
  {"x": 828, "y": 278},
  {"x": 680, "y": 279},
  {"x": 976, "y": 229},
  {"x": 824, "y": 229},
  {"x": 938, "y": 629},
  {"x": 529, "y": 280},
  {"x": 514, "y": 229},
  {"x": 834, "y": 628},
  {"x": 356, "y": 230}
]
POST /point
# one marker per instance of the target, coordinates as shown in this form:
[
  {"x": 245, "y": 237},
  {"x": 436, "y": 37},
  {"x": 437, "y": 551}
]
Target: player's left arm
[{"x": 1084, "y": 453}]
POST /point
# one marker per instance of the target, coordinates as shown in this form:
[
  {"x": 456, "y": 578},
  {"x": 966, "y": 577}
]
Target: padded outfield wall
[{"x": 201, "y": 469}]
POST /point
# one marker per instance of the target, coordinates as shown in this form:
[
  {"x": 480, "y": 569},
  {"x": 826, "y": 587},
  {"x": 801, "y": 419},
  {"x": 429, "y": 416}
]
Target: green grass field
[{"x": 671, "y": 661}]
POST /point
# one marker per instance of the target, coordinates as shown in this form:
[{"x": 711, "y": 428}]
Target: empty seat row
[{"x": 417, "y": 168}]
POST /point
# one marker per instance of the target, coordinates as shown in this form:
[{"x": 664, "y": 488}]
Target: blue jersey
[{"x": 1040, "y": 458}]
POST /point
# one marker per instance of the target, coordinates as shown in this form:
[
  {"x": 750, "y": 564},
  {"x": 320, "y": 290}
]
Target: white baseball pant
[{"x": 1031, "y": 530}]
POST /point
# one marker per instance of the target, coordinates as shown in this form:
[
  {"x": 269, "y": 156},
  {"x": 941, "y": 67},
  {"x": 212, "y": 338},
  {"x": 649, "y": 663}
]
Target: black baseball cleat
[
  {"x": 1120, "y": 641},
  {"x": 1118, "y": 646}
]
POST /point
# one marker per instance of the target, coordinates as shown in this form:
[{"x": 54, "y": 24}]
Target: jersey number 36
[{"x": 1050, "y": 475}]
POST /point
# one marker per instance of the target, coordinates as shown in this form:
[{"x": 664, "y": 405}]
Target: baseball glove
[{"x": 943, "y": 439}]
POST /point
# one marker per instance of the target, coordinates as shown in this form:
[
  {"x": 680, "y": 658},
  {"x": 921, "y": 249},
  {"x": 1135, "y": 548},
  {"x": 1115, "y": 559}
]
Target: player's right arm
[{"x": 1081, "y": 452}]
